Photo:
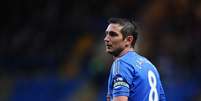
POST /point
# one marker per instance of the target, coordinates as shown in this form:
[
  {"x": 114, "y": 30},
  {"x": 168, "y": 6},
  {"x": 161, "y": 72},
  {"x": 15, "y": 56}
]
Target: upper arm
[
  {"x": 120, "y": 98},
  {"x": 122, "y": 79}
]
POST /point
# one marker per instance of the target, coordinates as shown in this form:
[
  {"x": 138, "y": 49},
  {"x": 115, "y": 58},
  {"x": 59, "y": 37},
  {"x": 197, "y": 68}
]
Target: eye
[{"x": 113, "y": 34}]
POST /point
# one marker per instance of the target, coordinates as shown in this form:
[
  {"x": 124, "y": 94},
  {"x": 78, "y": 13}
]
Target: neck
[{"x": 124, "y": 52}]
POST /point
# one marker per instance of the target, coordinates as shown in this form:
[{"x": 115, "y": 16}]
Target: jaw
[{"x": 115, "y": 53}]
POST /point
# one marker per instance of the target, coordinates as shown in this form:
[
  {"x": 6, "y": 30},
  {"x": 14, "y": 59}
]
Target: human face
[{"x": 114, "y": 40}]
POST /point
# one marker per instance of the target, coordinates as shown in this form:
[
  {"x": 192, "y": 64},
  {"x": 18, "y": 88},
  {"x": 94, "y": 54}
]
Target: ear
[{"x": 129, "y": 40}]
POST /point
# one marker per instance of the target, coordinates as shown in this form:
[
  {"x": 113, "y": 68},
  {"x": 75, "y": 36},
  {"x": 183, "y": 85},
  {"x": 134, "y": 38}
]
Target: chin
[
  {"x": 111, "y": 52},
  {"x": 108, "y": 51},
  {"x": 115, "y": 52}
]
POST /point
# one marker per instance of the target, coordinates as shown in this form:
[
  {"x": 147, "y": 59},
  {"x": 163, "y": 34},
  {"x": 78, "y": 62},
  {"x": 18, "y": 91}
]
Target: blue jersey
[{"x": 136, "y": 77}]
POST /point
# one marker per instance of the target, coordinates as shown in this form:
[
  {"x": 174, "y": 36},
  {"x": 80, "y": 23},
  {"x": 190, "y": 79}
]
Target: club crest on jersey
[{"x": 119, "y": 81}]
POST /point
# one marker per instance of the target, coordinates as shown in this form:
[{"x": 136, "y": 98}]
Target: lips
[{"x": 108, "y": 46}]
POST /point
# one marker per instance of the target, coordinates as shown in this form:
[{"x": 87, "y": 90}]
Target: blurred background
[{"x": 53, "y": 50}]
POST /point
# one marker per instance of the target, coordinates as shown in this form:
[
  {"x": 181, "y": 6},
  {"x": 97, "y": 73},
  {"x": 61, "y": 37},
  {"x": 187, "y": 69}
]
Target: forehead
[{"x": 114, "y": 27}]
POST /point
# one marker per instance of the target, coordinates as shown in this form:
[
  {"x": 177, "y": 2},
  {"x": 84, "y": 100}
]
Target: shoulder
[
  {"x": 133, "y": 59},
  {"x": 121, "y": 66}
]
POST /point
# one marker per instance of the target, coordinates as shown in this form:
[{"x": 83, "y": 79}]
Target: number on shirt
[{"x": 153, "y": 94}]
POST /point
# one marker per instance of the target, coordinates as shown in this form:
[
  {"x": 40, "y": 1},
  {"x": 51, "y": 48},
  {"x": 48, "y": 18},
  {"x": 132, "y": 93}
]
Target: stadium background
[{"x": 52, "y": 50}]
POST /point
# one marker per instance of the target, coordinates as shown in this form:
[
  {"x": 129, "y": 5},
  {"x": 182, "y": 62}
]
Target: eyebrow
[{"x": 110, "y": 32}]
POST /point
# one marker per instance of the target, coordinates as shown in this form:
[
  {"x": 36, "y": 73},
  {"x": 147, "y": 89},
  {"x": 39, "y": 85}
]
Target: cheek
[{"x": 118, "y": 43}]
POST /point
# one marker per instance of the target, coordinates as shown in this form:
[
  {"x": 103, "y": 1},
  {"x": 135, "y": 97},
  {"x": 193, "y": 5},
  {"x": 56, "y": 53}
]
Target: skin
[{"x": 117, "y": 46}]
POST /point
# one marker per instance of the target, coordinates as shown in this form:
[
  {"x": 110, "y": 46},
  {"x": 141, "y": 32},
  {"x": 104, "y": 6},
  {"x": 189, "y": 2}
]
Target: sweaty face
[{"x": 114, "y": 41}]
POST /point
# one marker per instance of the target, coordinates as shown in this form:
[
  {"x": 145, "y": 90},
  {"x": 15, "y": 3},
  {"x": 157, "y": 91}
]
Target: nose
[{"x": 106, "y": 39}]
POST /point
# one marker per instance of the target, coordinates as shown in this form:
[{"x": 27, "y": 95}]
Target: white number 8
[{"x": 152, "y": 83}]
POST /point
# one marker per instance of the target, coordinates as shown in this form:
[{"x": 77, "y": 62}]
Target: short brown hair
[{"x": 129, "y": 27}]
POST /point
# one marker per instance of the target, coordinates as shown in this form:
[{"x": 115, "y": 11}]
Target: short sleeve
[{"x": 121, "y": 78}]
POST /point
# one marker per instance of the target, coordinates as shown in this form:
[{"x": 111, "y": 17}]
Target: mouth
[{"x": 108, "y": 46}]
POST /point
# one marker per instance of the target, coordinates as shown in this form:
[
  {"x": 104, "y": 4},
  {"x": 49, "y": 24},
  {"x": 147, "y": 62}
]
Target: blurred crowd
[{"x": 53, "y": 50}]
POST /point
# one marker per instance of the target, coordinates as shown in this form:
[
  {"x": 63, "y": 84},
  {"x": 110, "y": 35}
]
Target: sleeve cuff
[{"x": 121, "y": 93}]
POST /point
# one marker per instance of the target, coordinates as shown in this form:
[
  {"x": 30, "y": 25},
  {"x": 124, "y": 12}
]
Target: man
[{"x": 132, "y": 77}]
